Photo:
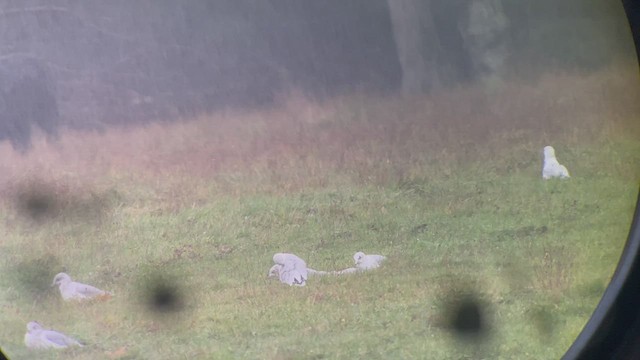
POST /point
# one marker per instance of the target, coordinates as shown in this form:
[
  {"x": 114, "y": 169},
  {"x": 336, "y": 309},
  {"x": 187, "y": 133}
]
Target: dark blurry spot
[
  {"x": 163, "y": 295},
  {"x": 165, "y": 298},
  {"x": 467, "y": 316},
  {"x": 594, "y": 288},
  {"x": 39, "y": 201},
  {"x": 543, "y": 321},
  {"x": 34, "y": 276},
  {"x": 36, "y": 202},
  {"x": 38, "y": 205}
]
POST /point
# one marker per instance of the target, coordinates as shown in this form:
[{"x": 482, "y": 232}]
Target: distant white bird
[
  {"x": 38, "y": 337},
  {"x": 290, "y": 269},
  {"x": 551, "y": 167},
  {"x": 367, "y": 262},
  {"x": 71, "y": 290}
]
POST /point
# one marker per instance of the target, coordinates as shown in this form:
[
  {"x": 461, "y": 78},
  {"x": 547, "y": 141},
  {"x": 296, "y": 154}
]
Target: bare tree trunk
[
  {"x": 485, "y": 34},
  {"x": 417, "y": 44}
]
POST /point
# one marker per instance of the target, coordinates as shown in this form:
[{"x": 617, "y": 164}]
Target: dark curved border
[
  {"x": 613, "y": 332},
  {"x": 632, "y": 8}
]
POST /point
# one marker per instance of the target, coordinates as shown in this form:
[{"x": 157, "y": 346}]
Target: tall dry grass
[{"x": 367, "y": 140}]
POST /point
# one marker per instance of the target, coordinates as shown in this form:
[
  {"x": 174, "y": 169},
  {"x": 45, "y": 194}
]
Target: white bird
[
  {"x": 290, "y": 269},
  {"x": 551, "y": 167},
  {"x": 367, "y": 262},
  {"x": 38, "y": 337},
  {"x": 71, "y": 290}
]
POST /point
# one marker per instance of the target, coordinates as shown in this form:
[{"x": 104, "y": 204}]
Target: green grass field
[{"x": 448, "y": 187}]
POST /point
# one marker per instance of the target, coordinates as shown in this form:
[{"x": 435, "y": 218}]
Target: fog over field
[{"x": 163, "y": 152}]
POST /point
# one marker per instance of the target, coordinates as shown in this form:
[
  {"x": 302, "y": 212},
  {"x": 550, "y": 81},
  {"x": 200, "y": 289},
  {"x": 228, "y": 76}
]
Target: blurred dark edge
[{"x": 613, "y": 332}]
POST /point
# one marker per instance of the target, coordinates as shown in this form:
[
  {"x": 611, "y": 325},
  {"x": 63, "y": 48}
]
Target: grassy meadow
[{"x": 447, "y": 186}]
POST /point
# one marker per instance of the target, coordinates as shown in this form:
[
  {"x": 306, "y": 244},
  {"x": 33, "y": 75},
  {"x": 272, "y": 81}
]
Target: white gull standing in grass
[
  {"x": 290, "y": 269},
  {"x": 38, "y": 337},
  {"x": 551, "y": 167},
  {"x": 367, "y": 262},
  {"x": 71, "y": 290}
]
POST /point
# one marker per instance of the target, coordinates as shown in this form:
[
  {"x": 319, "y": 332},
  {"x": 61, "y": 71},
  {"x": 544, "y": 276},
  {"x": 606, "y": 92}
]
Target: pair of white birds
[
  {"x": 292, "y": 270},
  {"x": 38, "y": 337},
  {"x": 551, "y": 168}
]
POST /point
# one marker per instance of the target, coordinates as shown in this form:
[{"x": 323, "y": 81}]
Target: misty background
[{"x": 92, "y": 64}]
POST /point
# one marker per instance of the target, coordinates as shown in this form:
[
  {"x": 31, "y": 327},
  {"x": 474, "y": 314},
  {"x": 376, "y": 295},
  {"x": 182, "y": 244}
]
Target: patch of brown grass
[
  {"x": 552, "y": 273},
  {"x": 300, "y": 143}
]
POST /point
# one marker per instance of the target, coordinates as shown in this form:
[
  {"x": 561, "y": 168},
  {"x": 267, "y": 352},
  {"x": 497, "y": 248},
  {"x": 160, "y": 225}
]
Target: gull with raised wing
[
  {"x": 38, "y": 337},
  {"x": 290, "y": 269},
  {"x": 367, "y": 262},
  {"x": 75, "y": 291},
  {"x": 551, "y": 168}
]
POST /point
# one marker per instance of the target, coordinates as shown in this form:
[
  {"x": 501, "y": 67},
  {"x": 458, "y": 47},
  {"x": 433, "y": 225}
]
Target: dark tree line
[
  {"x": 27, "y": 99},
  {"x": 122, "y": 61}
]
